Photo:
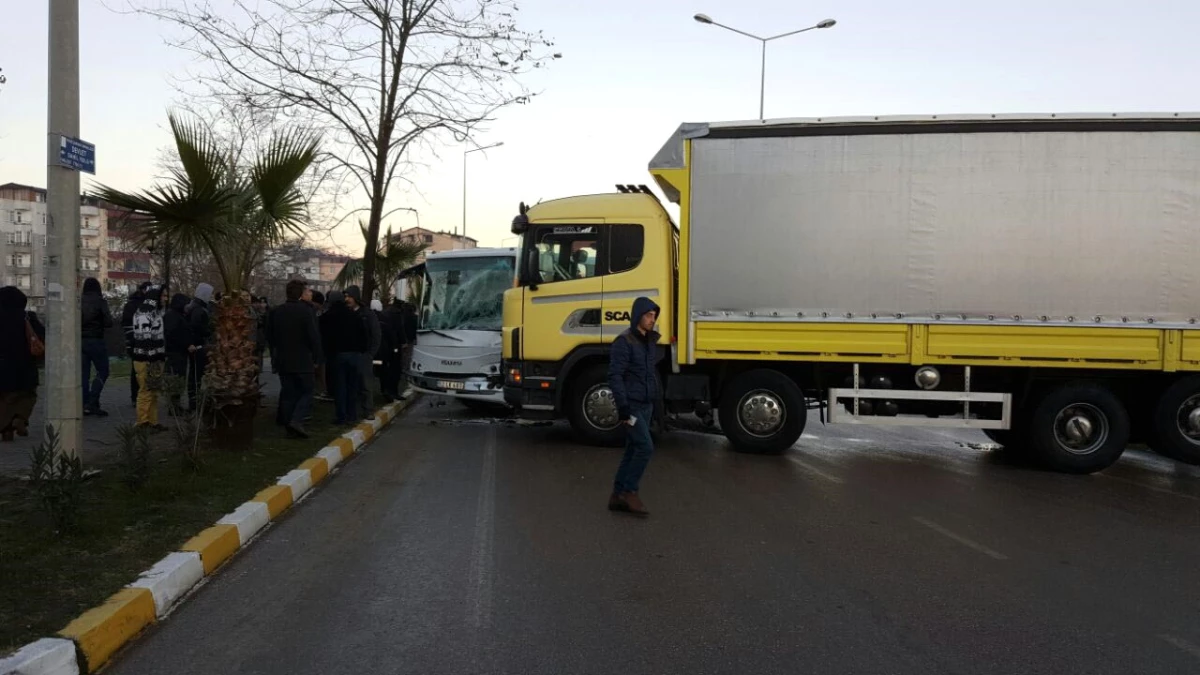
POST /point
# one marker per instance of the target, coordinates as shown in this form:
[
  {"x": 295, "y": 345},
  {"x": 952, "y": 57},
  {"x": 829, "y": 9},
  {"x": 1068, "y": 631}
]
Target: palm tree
[
  {"x": 391, "y": 258},
  {"x": 213, "y": 204}
]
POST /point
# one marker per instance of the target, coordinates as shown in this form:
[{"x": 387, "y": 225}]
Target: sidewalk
[{"x": 100, "y": 433}]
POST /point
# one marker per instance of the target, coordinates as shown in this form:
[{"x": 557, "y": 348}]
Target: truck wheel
[
  {"x": 1078, "y": 427},
  {"x": 1176, "y": 421},
  {"x": 592, "y": 410},
  {"x": 762, "y": 411}
]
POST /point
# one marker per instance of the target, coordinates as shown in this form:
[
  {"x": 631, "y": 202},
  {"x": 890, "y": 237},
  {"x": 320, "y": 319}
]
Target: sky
[{"x": 633, "y": 70}]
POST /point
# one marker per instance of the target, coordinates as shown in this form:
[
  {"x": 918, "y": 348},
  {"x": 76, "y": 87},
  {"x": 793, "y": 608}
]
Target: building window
[
  {"x": 428, "y": 238},
  {"x": 43, "y": 240}
]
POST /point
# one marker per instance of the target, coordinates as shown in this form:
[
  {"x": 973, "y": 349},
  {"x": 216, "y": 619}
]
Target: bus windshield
[{"x": 466, "y": 293}]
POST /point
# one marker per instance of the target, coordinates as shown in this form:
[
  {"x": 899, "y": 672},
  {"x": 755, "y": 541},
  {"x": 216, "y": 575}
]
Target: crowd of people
[{"x": 334, "y": 348}]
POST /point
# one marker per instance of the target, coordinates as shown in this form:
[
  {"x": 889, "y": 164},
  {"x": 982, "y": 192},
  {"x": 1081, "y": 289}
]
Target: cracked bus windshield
[{"x": 466, "y": 293}]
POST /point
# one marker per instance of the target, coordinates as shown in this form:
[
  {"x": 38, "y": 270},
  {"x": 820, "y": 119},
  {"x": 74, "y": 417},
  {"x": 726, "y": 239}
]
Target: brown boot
[{"x": 627, "y": 502}]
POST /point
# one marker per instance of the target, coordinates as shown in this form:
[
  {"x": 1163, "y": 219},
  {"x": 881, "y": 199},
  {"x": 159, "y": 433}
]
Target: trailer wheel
[
  {"x": 592, "y": 410},
  {"x": 1078, "y": 427},
  {"x": 1176, "y": 421},
  {"x": 762, "y": 411}
]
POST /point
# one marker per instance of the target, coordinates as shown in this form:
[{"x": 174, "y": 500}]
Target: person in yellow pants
[{"x": 149, "y": 355}]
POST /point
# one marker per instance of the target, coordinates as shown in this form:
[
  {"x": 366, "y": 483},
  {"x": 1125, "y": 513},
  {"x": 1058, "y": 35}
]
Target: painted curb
[
  {"x": 91, "y": 639},
  {"x": 171, "y": 578},
  {"x": 101, "y": 631},
  {"x": 47, "y": 656}
]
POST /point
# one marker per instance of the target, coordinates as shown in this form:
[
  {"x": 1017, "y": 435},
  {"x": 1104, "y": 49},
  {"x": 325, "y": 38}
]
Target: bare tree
[{"x": 378, "y": 78}]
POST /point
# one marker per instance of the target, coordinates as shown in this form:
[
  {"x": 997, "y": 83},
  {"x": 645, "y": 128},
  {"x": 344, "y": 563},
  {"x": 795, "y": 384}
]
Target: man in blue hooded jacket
[{"x": 633, "y": 377}]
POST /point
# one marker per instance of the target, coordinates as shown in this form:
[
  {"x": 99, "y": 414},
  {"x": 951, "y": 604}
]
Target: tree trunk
[{"x": 231, "y": 379}]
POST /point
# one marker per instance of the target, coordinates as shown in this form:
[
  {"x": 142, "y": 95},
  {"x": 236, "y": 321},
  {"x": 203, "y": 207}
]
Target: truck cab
[{"x": 582, "y": 263}]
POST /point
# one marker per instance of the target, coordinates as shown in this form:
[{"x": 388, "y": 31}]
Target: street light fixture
[
  {"x": 464, "y": 200},
  {"x": 708, "y": 20}
]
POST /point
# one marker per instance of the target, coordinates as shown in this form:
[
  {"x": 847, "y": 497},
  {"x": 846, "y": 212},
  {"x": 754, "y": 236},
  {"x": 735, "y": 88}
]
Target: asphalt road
[{"x": 458, "y": 546}]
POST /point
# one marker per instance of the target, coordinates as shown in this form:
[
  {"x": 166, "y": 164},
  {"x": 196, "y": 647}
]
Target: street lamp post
[
  {"x": 762, "y": 86},
  {"x": 464, "y": 201}
]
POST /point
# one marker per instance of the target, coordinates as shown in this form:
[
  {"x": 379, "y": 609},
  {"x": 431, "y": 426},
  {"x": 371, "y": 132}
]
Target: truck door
[
  {"x": 625, "y": 279},
  {"x": 563, "y": 306}
]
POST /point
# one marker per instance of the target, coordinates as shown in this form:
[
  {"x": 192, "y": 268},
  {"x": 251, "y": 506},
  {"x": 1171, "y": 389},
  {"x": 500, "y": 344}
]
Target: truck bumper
[{"x": 533, "y": 396}]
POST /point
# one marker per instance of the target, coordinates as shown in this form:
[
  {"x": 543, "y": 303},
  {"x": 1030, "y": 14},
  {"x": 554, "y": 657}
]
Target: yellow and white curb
[{"x": 91, "y": 639}]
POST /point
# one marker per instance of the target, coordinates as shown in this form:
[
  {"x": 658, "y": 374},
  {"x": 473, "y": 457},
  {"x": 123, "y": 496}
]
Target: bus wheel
[
  {"x": 1176, "y": 422},
  {"x": 1078, "y": 427},
  {"x": 592, "y": 410},
  {"x": 762, "y": 411}
]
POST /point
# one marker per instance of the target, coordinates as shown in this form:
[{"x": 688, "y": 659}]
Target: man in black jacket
[
  {"x": 95, "y": 318},
  {"x": 295, "y": 350},
  {"x": 633, "y": 377},
  {"x": 348, "y": 335}
]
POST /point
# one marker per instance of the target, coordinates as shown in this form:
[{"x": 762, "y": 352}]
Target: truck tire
[
  {"x": 1002, "y": 437},
  {"x": 1078, "y": 427},
  {"x": 763, "y": 412},
  {"x": 592, "y": 410},
  {"x": 1176, "y": 421}
]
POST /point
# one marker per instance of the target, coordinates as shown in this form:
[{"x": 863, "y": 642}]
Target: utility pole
[{"x": 63, "y": 393}]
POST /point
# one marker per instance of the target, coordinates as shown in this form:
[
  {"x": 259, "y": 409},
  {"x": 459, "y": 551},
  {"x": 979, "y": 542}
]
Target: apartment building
[
  {"x": 23, "y": 255},
  {"x": 435, "y": 241}
]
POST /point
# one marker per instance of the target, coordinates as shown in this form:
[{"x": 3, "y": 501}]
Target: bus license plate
[{"x": 444, "y": 384}]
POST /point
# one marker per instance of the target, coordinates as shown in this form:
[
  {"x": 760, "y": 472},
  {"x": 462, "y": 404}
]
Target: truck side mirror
[{"x": 520, "y": 224}]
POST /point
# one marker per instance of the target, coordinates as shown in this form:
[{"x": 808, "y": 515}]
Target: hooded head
[
  {"x": 12, "y": 299},
  {"x": 377, "y": 305},
  {"x": 91, "y": 286},
  {"x": 356, "y": 293},
  {"x": 640, "y": 307},
  {"x": 334, "y": 299},
  {"x": 179, "y": 302},
  {"x": 204, "y": 293}
]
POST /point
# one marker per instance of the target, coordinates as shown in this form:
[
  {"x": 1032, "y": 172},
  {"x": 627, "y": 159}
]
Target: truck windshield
[{"x": 466, "y": 293}]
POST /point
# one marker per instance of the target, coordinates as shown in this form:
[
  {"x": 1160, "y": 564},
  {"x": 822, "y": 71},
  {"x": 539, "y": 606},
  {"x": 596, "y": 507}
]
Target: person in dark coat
[
  {"x": 295, "y": 345},
  {"x": 316, "y": 300},
  {"x": 178, "y": 335},
  {"x": 328, "y": 342},
  {"x": 348, "y": 334},
  {"x": 18, "y": 367},
  {"x": 131, "y": 305},
  {"x": 409, "y": 317},
  {"x": 374, "y": 337},
  {"x": 200, "y": 324},
  {"x": 385, "y": 356},
  {"x": 94, "y": 320},
  {"x": 393, "y": 320},
  {"x": 633, "y": 378}
]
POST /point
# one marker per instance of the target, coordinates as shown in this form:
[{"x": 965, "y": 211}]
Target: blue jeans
[
  {"x": 638, "y": 448},
  {"x": 95, "y": 353},
  {"x": 346, "y": 381}
]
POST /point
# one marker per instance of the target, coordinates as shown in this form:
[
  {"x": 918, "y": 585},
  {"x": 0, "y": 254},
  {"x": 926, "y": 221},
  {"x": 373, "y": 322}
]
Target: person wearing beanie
[{"x": 200, "y": 325}]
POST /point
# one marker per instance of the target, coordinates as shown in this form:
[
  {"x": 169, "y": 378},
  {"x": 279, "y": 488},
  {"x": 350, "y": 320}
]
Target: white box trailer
[{"x": 1022, "y": 220}]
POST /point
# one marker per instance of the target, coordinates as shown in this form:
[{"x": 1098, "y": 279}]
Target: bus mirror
[{"x": 520, "y": 224}]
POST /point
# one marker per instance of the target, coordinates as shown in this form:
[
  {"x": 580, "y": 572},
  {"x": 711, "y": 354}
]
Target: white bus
[{"x": 459, "y": 320}]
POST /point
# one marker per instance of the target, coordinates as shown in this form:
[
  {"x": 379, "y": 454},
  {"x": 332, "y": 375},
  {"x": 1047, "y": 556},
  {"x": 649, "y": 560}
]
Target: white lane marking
[
  {"x": 857, "y": 440},
  {"x": 810, "y": 437},
  {"x": 1182, "y": 644},
  {"x": 1149, "y": 487},
  {"x": 815, "y": 471},
  {"x": 975, "y": 546},
  {"x": 480, "y": 589}
]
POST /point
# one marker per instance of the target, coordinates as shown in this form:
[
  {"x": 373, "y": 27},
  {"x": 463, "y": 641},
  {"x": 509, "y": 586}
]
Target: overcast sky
[{"x": 632, "y": 70}]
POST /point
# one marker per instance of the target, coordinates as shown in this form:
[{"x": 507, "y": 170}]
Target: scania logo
[{"x": 446, "y": 362}]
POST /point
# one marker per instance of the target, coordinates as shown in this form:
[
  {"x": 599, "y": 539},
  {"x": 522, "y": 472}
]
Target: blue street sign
[{"x": 76, "y": 154}]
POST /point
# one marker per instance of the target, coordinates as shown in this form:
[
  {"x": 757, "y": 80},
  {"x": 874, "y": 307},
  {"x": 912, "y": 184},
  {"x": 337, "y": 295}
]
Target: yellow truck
[{"x": 1031, "y": 276}]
